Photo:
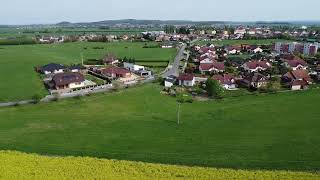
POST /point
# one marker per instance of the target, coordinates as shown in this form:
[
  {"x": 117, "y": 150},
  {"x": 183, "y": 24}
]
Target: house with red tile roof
[
  {"x": 256, "y": 66},
  {"x": 297, "y": 79},
  {"x": 227, "y": 81},
  {"x": 214, "y": 67},
  {"x": 115, "y": 72},
  {"x": 186, "y": 79},
  {"x": 296, "y": 64}
]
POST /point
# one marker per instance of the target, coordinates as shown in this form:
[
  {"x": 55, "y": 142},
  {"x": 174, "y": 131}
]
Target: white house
[
  {"x": 169, "y": 81},
  {"x": 256, "y": 66},
  {"x": 186, "y": 80},
  {"x": 133, "y": 67},
  {"x": 258, "y": 50}
]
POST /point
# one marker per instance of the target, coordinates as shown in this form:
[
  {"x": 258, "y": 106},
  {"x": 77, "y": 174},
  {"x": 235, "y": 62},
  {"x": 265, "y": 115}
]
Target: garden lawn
[
  {"x": 20, "y": 81},
  {"x": 279, "y": 131}
]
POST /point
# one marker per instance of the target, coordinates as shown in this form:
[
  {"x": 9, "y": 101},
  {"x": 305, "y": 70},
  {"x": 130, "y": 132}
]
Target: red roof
[
  {"x": 185, "y": 77},
  {"x": 296, "y": 62},
  {"x": 299, "y": 75},
  {"x": 255, "y": 64},
  {"x": 208, "y": 66},
  {"x": 224, "y": 79},
  {"x": 115, "y": 70}
]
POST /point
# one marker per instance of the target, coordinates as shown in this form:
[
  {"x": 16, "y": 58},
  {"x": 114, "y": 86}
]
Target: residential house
[
  {"x": 110, "y": 59},
  {"x": 170, "y": 81},
  {"x": 240, "y": 30},
  {"x": 76, "y": 68},
  {"x": 214, "y": 67},
  {"x": 52, "y": 68},
  {"x": 68, "y": 80},
  {"x": 185, "y": 79},
  {"x": 228, "y": 81},
  {"x": 255, "y": 80},
  {"x": 121, "y": 74},
  {"x": 115, "y": 72},
  {"x": 297, "y": 79},
  {"x": 296, "y": 64},
  {"x": 233, "y": 49},
  {"x": 256, "y": 50},
  {"x": 137, "y": 69},
  {"x": 256, "y": 66},
  {"x": 167, "y": 44}
]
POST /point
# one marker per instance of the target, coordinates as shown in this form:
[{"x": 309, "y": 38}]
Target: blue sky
[{"x": 52, "y": 11}]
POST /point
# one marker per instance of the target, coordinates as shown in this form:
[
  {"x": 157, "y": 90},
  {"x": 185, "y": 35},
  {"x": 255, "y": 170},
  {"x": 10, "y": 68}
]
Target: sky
[{"x": 54, "y": 11}]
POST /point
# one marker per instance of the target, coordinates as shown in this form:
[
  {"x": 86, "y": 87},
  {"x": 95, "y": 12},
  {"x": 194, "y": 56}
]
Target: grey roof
[{"x": 52, "y": 67}]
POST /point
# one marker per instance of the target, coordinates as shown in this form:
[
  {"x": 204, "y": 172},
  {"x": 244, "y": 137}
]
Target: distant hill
[{"x": 136, "y": 22}]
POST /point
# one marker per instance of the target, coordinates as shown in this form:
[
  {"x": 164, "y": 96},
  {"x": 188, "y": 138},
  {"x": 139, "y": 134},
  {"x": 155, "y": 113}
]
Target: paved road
[{"x": 175, "y": 67}]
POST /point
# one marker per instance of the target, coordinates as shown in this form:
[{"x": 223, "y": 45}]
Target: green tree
[{"x": 214, "y": 89}]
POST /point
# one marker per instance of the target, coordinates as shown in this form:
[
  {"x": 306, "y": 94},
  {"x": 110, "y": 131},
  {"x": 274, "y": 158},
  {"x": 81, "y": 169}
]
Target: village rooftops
[
  {"x": 255, "y": 64},
  {"x": 214, "y": 65},
  {"x": 224, "y": 79}
]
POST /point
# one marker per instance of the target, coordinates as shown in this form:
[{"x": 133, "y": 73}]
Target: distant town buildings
[{"x": 303, "y": 48}]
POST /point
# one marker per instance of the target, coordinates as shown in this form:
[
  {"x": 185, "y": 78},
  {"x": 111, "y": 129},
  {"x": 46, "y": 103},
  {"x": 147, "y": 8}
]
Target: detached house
[
  {"x": 116, "y": 72},
  {"x": 214, "y": 67},
  {"x": 296, "y": 64},
  {"x": 185, "y": 79},
  {"x": 233, "y": 49},
  {"x": 68, "y": 80},
  {"x": 110, "y": 59},
  {"x": 170, "y": 81},
  {"x": 255, "y": 80},
  {"x": 256, "y": 66},
  {"x": 227, "y": 81},
  {"x": 297, "y": 79},
  {"x": 52, "y": 68},
  {"x": 76, "y": 68}
]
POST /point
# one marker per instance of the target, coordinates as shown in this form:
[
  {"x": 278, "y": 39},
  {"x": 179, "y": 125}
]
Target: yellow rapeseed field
[{"x": 16, "y": 165}]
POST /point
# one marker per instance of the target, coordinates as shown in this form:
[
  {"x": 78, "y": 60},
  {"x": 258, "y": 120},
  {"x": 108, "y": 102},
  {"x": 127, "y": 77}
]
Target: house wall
[
  {"x": 297, "y": 87},
  {"x": 133, "y": 67},
  {"x": 187, "y": 83},
  {"x": 76, "y": 85},
  {"x": 168, "y": 84}
]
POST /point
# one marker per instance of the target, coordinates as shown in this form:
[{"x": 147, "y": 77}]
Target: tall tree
[{"x": 214, "y": 89}]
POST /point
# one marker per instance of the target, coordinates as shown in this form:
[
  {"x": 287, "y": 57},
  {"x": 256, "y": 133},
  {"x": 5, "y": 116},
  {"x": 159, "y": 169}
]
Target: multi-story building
[{"x": 306, "y": 48}]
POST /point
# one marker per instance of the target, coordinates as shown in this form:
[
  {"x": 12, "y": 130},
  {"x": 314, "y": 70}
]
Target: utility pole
[
  {"x": 81, "y": 58},
  {"x": 178, "y": 113}
]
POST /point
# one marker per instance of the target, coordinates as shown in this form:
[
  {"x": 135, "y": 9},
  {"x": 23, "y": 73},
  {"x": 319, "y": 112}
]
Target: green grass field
[
  {"x": 278, "y": 132},
  {"x": 17, "y": 165},
  {"x": 239, "y": 42},
  {"x": 19, "y": 81}
]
